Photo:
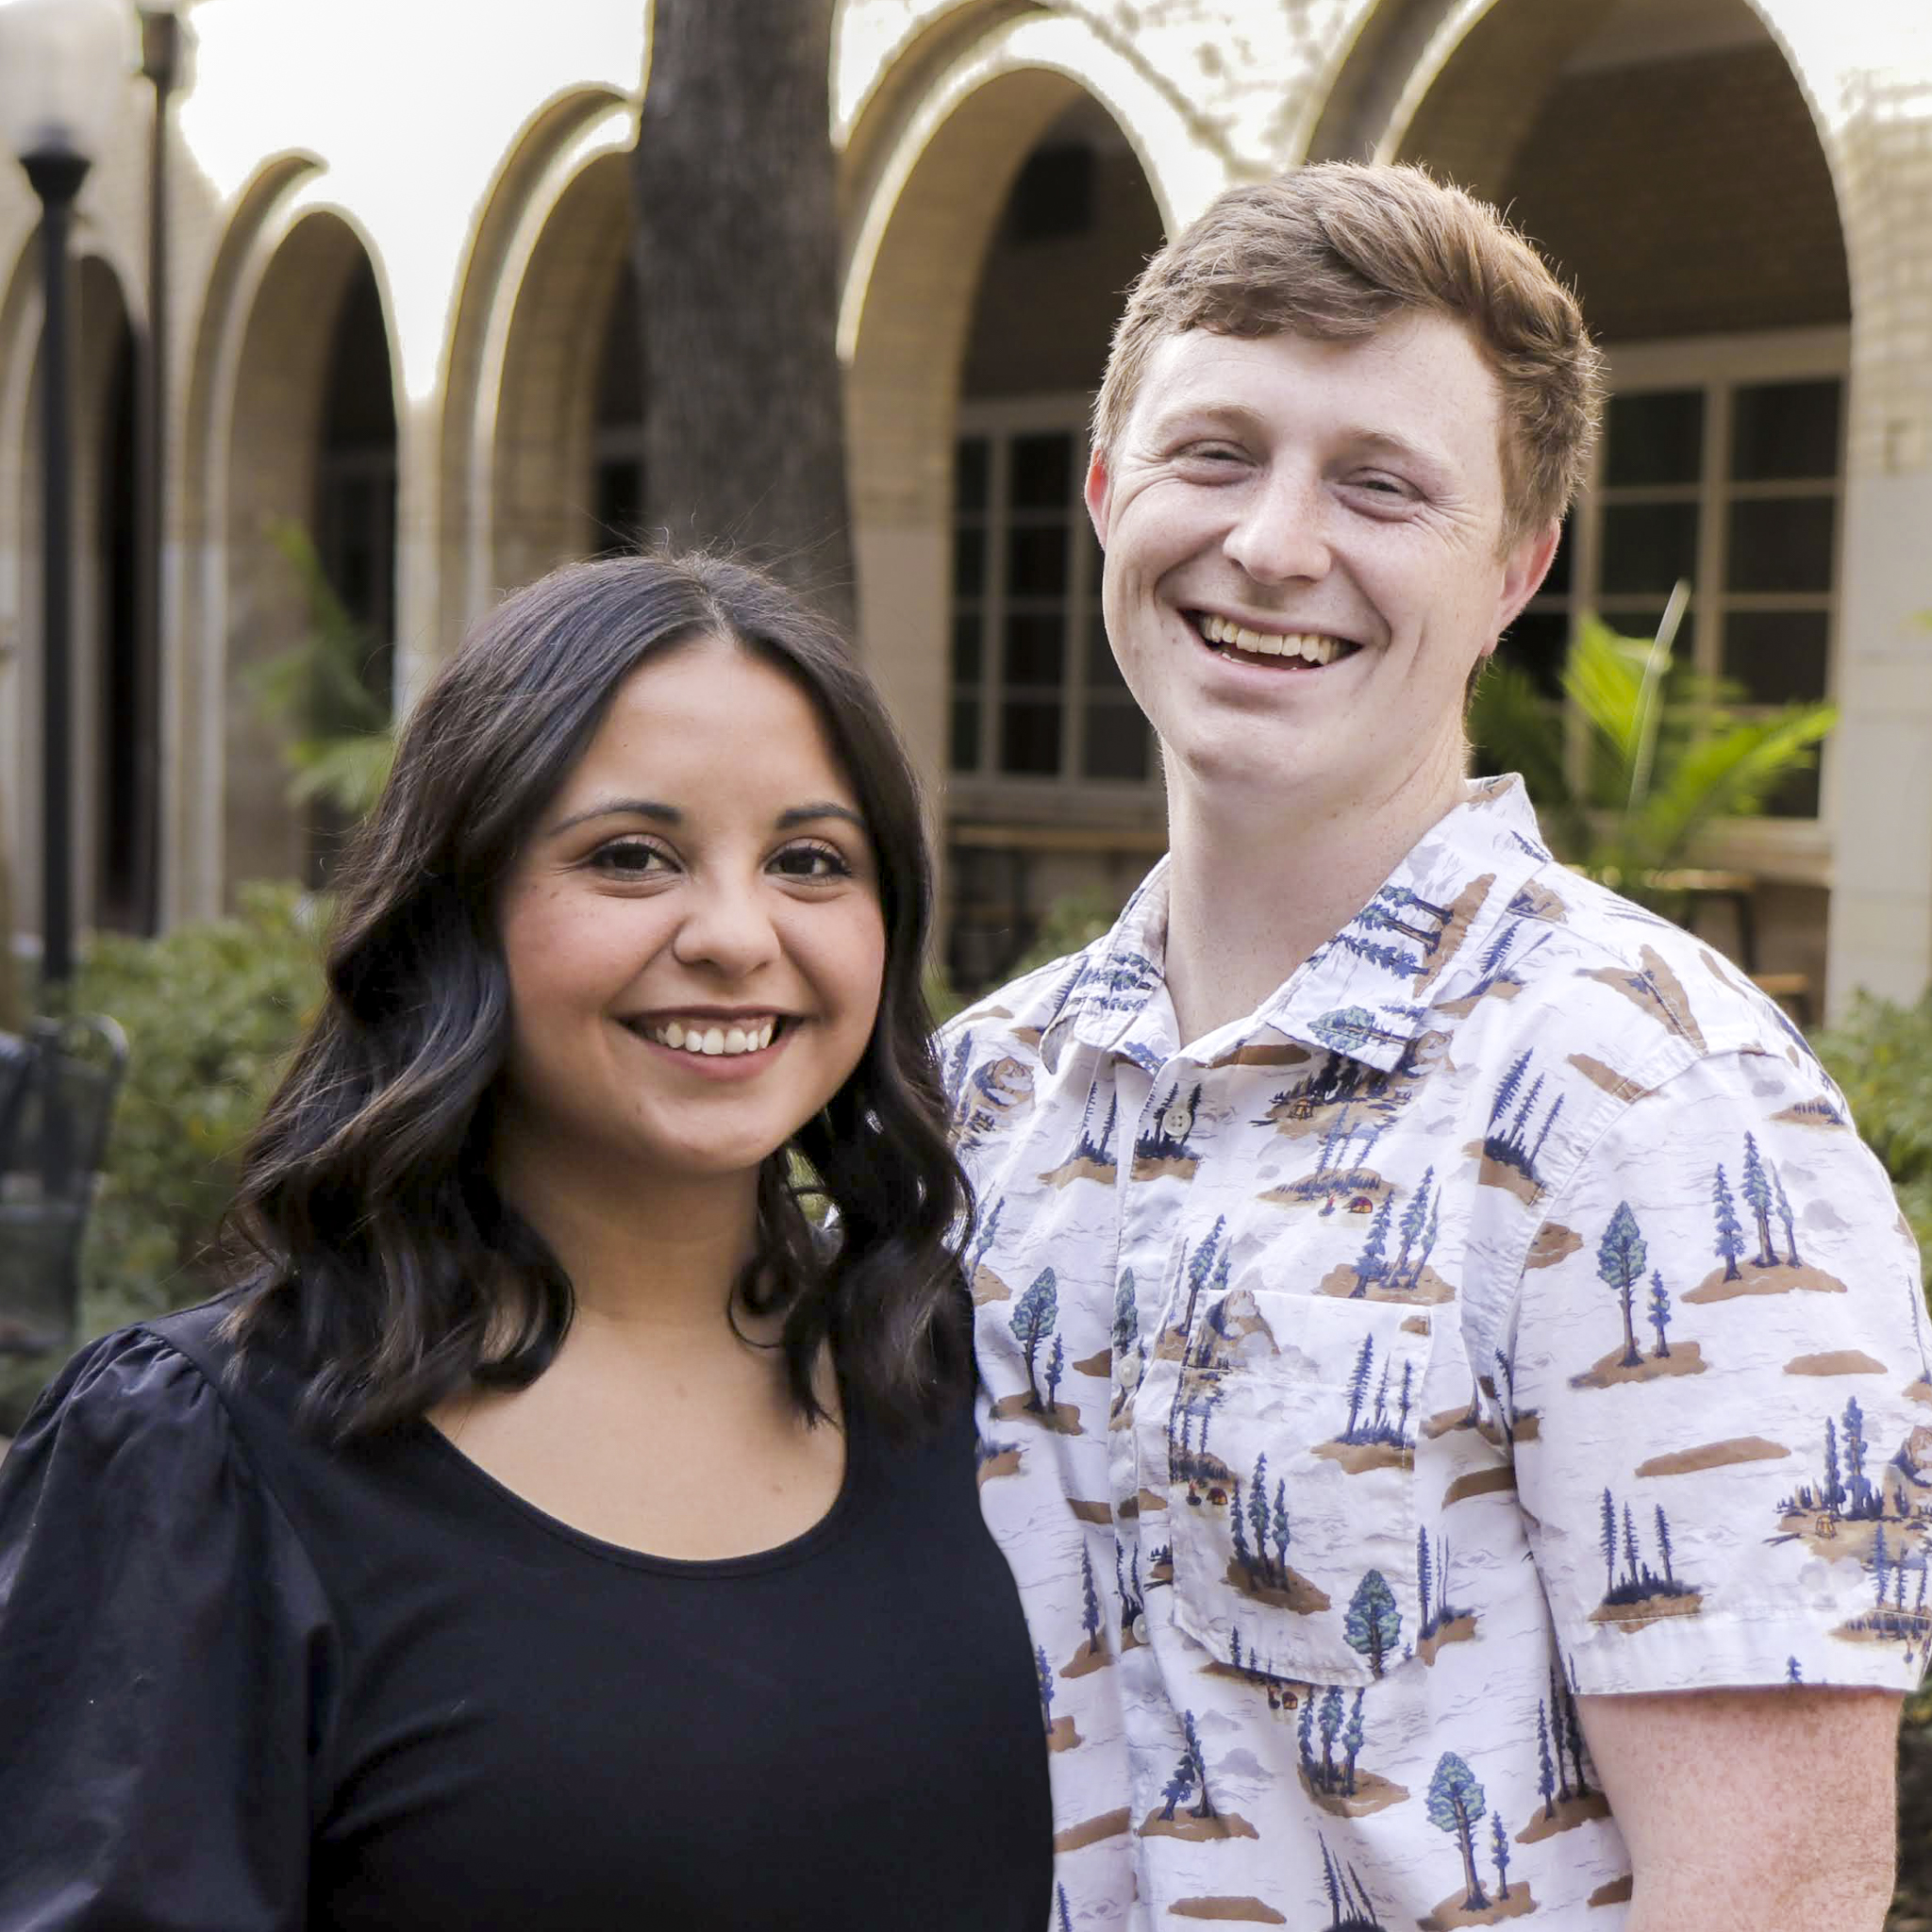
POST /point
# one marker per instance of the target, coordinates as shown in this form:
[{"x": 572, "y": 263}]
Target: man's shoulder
[{"x": 1583, "y": 969}]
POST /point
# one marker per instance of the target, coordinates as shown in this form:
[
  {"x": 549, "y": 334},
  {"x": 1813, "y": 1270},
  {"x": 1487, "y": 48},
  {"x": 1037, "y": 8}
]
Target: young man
[{"x": 1455, "y": 1399}]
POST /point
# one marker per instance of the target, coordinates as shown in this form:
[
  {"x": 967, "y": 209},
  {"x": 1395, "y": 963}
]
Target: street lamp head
[{"x": 64, "y": 69}]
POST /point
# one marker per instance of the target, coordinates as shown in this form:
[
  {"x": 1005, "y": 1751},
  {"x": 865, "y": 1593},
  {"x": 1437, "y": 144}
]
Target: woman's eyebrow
[
  {"x": 621, "y": 807},
  {"x": 825, "y": 808}
]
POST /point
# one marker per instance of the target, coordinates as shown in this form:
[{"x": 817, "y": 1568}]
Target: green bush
[
  {"x": 1881, "y": 1053},
  {"x": 212, "y": 1011}
]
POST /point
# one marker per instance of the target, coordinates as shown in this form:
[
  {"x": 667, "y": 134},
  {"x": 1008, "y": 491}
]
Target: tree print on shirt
[
  {"x": 1163, "y": 1150},
  {"x": 1567, "y": 1798},
  {"x": 1260, "y": 1534},
  {"x": 991, "y": 1100},
  {"x": 1329, "y": 1742},
  {"x": 1093, "y": 1653},
  {"x": 1061, "y": 1733},
  {"x": 1457, "y": 1804},
  {"x": 1881, "y": 1513},
  {"x": 1444, "y": 1620},
  {"x": 1376, "y": 1434},
  {"x": 1406, "y": 1275},
  {"x": 1203, "y": 1818},
  {"x": 1341, "y": 1180},
  {"x": 1513, "y": 1145},
  {"x": 1092, "y": 1156},
  {"x": 1760, "y": 1250},
  {"x": 1350, "y": 1908},
  {"x": 1636, "y": 1594},
  {"x": 1034, "y": 1321},
  {"x": 1623, "y": 1261}
]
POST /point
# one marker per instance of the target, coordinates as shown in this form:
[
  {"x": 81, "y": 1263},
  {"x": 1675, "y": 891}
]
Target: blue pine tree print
[
  {"x": 1372, "y": 1625},
  {"x": 1033, "y": 1320},
  {"x": 1456, "y": 1805},
  {"x": 1620, "y": 1257},
  {"x": 1730, "y": 1244}
]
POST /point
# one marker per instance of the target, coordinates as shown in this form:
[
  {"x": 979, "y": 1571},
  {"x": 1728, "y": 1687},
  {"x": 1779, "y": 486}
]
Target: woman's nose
[{"x": 728, "y": 926}]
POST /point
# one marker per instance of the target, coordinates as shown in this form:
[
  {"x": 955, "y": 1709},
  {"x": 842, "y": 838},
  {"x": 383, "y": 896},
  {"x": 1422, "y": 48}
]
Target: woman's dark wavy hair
[{"x": 374, "y": 1248}]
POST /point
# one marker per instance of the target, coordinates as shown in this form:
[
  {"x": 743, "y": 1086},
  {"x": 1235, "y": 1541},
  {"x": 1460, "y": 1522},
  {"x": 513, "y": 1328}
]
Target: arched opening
[
  {"x": 123, "y": 728},
  {"x": 1051, "y": 781},
  {"x": 311, "y": 455},
  {"x": 1663, "y": 155},
  {"x": 979, "y": 308},
  {"x": 569, "y": 412}
]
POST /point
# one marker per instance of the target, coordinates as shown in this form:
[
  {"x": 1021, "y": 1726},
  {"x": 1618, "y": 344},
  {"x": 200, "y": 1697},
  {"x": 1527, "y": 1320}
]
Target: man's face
[{"x": 1341, "y": 504}]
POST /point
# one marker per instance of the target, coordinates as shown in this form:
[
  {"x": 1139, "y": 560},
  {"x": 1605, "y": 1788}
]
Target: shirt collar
[{"x": 1366, "y": 993}]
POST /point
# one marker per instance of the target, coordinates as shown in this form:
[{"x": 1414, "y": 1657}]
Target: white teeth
[
  {"x": 699, "y": 1039},
  {"x": 1310, "y": 646}
]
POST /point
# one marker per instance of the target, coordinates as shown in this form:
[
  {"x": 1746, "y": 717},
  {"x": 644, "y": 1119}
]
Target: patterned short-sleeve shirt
[{"x": 1504, "y": 1311}]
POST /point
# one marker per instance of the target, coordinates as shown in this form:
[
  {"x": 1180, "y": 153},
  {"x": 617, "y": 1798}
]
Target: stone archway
[
  {"x": 274, "y": 475},
  {"x": 935, "y": 185},
  {"x": 1671, "y": 160},
  {"x": 543, "y": 498}
]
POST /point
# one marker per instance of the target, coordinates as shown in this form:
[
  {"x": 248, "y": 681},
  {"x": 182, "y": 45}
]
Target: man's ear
[
  {"x": 1523, "y": 568},
  {"x": 1099, "y": 495}
]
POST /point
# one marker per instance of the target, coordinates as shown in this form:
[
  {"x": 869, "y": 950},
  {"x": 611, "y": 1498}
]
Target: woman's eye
[
  {"x": 628, "y": 858},
  {"x": 812, "y": 862}
]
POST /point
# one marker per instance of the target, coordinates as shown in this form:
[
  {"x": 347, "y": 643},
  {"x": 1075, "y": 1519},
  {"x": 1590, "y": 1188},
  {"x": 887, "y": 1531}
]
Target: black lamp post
[
  {"x": 64, "y": 66},
  {"x": 64, "y": 69}
]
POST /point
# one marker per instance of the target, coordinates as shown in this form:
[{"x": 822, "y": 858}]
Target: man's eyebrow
[{"x": 621, "y": 808}]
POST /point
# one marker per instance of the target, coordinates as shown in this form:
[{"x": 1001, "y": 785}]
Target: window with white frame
[
  {"x": 1037, "y": 701},
  {"x": 1722, "y": 463}
]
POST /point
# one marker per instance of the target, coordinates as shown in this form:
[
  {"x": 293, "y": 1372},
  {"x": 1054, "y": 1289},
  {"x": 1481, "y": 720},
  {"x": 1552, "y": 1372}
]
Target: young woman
[{"x": 552, "y": 1531}]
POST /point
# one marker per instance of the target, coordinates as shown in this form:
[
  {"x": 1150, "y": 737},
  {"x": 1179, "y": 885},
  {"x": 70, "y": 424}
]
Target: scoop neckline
[{"x": 806, "y": 1544}]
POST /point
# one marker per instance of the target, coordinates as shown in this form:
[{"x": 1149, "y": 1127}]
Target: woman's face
[{"x": 693, "y": 931}]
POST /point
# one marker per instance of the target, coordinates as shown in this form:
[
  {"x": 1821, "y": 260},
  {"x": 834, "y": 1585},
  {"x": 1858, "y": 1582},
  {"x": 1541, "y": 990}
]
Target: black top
[{"x": 248, "y": 1680}]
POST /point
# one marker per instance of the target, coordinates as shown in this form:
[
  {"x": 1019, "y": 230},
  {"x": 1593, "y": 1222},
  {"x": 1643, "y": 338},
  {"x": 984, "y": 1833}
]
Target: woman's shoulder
[{"x": 165, "y": 1388}]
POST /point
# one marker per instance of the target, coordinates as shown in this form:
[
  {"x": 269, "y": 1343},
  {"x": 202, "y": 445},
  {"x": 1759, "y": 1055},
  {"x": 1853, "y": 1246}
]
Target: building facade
[{"x": 401, "y": 319}]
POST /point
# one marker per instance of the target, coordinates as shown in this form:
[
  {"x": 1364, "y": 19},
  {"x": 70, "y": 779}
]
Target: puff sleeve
[{"x": 167, "y": 1661}]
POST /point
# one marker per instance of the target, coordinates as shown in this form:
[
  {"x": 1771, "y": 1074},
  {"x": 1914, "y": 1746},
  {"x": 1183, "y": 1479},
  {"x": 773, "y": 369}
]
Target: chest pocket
[{"x": 1291, "y": 1485}]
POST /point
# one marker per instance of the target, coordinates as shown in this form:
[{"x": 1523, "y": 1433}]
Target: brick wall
[{"x": 1685, "y": 197}]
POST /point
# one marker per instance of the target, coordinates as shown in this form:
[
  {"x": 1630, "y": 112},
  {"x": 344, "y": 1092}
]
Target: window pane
[
  {"x": 966, "y": 651},
  {"x": 1118, "y": 741},
  {"x": 965, "y": 746},
  {"x": 971, "y": 463},
  {"x": 1648, "y": 546},
  {"x": 1778, "y": 655},
  {"x": 1780, "y": 429},
  {"x": 1043, "y": 471},
  {"x": 1536, "y": 644},
  {"x": 1037, "y": 561},
  {"x": 1781, "y": 543},
  {"x": 1796, "y": 798},
  {"x": 969, "y": 562},
  {"x": 1030, "y": 737},
  {"x": 1103, "y": 673},
  {"x": 1654, "y": 439},
  {"x": 1035, "y": 649}
]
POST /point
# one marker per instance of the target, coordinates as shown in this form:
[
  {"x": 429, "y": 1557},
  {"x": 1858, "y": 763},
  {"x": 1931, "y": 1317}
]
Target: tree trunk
[
  {"x": 738, "y": 261},
  {"x": 12, "y": 1017}
]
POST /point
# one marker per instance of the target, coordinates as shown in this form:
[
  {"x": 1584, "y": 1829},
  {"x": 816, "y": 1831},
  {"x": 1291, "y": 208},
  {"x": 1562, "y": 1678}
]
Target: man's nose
[
  {"x": 1282, "y": 531},
  {"x": 727, "y": 928}
]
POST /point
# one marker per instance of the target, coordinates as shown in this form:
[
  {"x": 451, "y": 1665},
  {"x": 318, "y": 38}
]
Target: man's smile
[{"x": 1283, "y": 650}]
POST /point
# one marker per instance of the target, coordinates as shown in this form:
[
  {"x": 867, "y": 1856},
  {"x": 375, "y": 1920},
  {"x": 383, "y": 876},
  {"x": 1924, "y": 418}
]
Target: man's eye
[{"x": 811, "y": 861}]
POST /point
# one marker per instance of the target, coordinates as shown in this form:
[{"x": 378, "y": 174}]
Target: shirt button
[
  {"x": 1140, "y": 1628},
  {"x": 1177, "y": 1122}
]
